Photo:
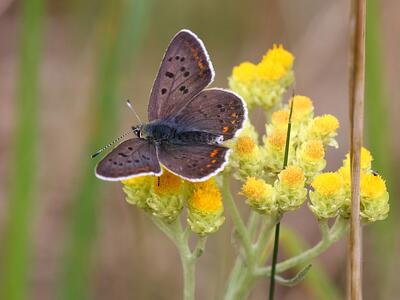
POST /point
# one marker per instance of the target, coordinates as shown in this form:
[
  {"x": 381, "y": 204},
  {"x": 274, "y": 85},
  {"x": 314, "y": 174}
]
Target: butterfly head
[{"x": 137, "y": 130}]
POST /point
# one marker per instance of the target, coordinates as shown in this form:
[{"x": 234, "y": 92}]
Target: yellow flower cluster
[
  {"x": 164, "y": 197},
  {"x": 332, "y": 194},
  {"x": 263, "y": 84}
]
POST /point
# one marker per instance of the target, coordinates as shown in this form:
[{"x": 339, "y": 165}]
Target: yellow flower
[
  {"x": 245, "y": 72},
  {"x": 168, "y": 183},
  {"x": 245, "y": 145},
  {"x": 328, "y": 184},
  {"x": 270, "y": 70},
  {"x": 292, "y": 177},
  {"x": 374, "y": 198},
  {"x": 264, "y": 84},
  {"x": 206, "y": 197},
  {"x": 256, "y": 188},
  {"x": 290, "y": 190},
  {"x": 260, "y": 195},
  {"x": 280, "y": 56},
  {"x": 277, "y": 139},
  {"x": 345, "y": 173},
  {"x": 136, "y": 180},
  {"x": 205, "y": 208},
  {"x": 302, "y": 108},
  {"x": 314, "y": 150},
  {"x": 365, "y": 160},
  {"x": 280, "y": 118},
  {"x": 328, "y": 197},
  {"x": 324, "y": 125},
  {"x": 372, "y": 186}
]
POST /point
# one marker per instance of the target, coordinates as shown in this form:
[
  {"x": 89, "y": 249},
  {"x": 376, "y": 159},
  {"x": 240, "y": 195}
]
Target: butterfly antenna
[
  {"x": 128, "y": 102},
  {"x": 110, "y": 144}
]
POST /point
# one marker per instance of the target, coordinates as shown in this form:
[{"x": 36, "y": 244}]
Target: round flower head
[
  {"x": 245, "y": 72},
  {"x": 264, "y": 84},
  {"x": 324, "y": 128},
  {"x": 310, "y": 158},
  {"x": 280, "y": 56},
  {"x": 275, "y": 142},
  {"x": 245, "y": 145},
  {"x": 374, "y": 197},
  {"x": 303, "y": 108},
  {"x": 280, "y": 118},
  {"x": 167, "y": 196},
  {"x": 365, "y": 160},
  {"x": 327, "y": 198},
  {"x": 137, "y": 191},
  {"x": 205, "y": 208},
  {"x": 260, "y": 195},
  {"x": 290, "y": 190}
]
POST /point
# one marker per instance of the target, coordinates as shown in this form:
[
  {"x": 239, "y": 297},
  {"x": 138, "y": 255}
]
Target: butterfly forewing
[
  {"x": 216, "y": 111},
  {"x": 184, "y": 71},
  {"x": 134, "y": 157},
  {"x": 194, "y": 163}
]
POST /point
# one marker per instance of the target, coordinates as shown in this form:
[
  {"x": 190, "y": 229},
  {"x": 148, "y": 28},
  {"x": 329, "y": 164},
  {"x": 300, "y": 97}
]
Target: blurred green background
[{"x": 66, "y": 68}]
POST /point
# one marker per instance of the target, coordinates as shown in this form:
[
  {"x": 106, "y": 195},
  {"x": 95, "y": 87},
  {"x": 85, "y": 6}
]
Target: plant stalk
[
  {"x": 277, "y": 227},
  {"x": 356, "y": 100}
]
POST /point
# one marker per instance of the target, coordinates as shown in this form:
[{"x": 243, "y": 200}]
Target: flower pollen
[
  {"x": 372, "y": 186},
  {"x": 292, "y": 176},
  {"x": 277, "y": 139},
  {"x": 245, "y": 72},
  {"x": 328, "y": 184},
  {"x": 256, "y": 188},
  {"x": 167, "y": 184},
  {"x": 279, "y": 56},
  {"x": 325, "y": 124},
  {"x": 245, "y": 145},
  {"x": 314, "y": 150},
  {"x": 280, "y": 118},
  {"x": 206, "y": 197}
]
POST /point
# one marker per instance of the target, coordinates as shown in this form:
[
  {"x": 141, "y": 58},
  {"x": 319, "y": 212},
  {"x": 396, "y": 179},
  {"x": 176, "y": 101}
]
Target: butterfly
[{"x": 187, "y": 123}]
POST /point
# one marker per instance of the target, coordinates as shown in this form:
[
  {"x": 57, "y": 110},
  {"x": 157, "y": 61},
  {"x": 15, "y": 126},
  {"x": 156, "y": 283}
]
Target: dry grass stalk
[{"x": 356, "y": 100}]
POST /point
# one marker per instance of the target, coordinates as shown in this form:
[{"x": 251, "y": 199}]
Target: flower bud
[
  {"x": 205, "y": 210},
  {"x": 290, "y": 190},
  {"x": 275, "y": 142},
  {"x": 327, "y": 199},
  {"x": 260, "y": 195}
]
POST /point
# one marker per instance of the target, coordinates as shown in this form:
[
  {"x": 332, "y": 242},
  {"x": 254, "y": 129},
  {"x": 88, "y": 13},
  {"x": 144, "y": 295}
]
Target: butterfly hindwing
[
  {"x": 134, "y": 157},
  {"x": 184, "y": 71},
  {"x": 194, "y": 163},
  {"x": 216, "y": 111}
]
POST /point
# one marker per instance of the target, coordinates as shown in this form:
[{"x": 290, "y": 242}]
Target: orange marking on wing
[
  {"x": 209, "y": 166},
  {"x": 198, "y": 59},
  {"x": 213, "y": 161},
  {"x": 234, "y": 115},
  {"x": 215, "y": 152},
  {"x": 225, "y": 129}
]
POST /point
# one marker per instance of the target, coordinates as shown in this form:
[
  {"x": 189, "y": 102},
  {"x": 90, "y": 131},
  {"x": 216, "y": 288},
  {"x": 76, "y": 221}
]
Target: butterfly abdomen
[{"x": 197, "y": 138}]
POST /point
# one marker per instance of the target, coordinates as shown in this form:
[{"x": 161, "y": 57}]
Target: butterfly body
[
  {"x": 187, "y": 123},
  {"x": 169, "y": 132}
]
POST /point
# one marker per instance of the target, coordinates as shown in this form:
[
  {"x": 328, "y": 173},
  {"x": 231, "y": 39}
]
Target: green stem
[
  {"x": 241, "y": 229},
  {"x": 274, "y": 260},
  {"x": 328, "y": 238},
  {"x": 276, "y": 241},
  {"x": 188, "y": 258}
]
